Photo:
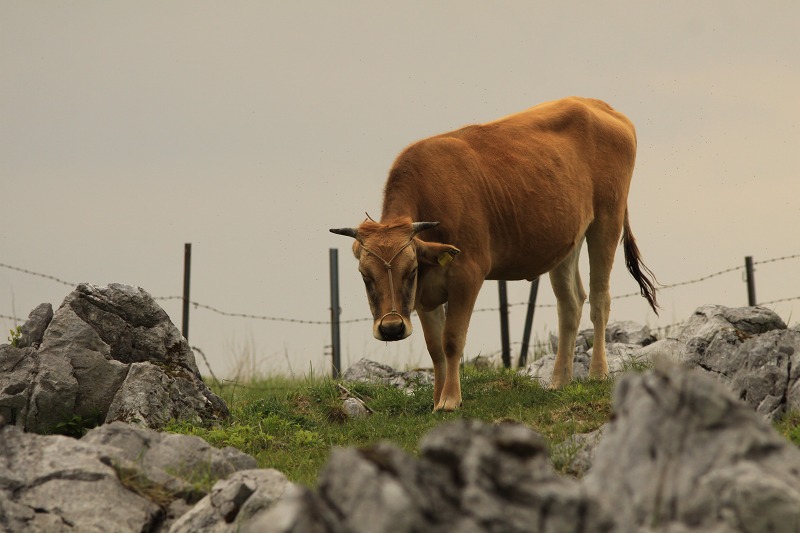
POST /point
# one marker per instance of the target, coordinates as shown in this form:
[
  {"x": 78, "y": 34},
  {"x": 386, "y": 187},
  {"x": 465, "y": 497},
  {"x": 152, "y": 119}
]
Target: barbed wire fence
[{"x": 537, "y": 346}]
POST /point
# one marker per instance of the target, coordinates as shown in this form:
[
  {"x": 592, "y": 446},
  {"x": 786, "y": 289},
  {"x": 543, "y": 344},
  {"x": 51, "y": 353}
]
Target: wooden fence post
[
  {"x": 501, "y": 286},
  {"x": 751, "y": 280},
  {"x": 526, "y": 334},
  {"x": 335, "y": 312},
  {"x": 187, "y": 266}
]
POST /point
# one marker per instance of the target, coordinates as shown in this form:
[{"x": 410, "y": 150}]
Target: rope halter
[{"x": 388, "y": 265}]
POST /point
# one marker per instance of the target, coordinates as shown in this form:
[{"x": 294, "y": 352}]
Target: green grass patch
[
  {"x": 292, "y": 425},
  {"x": 789, "y": 426}
]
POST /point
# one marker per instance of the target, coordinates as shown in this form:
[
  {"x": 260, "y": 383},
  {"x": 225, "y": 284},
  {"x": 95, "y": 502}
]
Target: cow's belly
[{"x": 529, "y": 264}]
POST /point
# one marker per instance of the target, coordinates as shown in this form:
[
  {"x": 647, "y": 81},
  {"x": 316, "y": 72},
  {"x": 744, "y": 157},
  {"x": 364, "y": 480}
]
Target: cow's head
[{"x": 389, "y": 256}]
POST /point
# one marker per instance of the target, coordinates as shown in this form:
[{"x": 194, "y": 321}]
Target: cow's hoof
[{"x": 447, "y": 405}]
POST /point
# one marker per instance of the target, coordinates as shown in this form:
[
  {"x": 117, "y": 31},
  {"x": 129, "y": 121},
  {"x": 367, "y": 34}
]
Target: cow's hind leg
[
  {"x": 570, "y": 296},
  {"x": 601, "y": 239},
  {"x": 433, "y": 328}
]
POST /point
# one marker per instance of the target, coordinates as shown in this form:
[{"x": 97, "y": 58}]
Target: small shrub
[
  {"x": 77, "y": 426},
  {"x": 133, "y": 480},
  {"x": 305, "y": 438},
  {"x": 789, "y": 426},
  {"x": 564, "y": 454},
  {"x": 14, "y": 336}
]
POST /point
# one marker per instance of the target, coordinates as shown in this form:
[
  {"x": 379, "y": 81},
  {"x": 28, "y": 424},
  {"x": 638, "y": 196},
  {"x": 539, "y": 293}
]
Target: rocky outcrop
[
  {"x": 371, "y": 372},
  {"x": 233, "y": 502},
  {"x": 118, "y": 477},
  {"x": 692, "y": 337},
  {"x": 686, "y": 450},
  {"x": 621, "y": 358},
  {"x": 575, "y": 455},
  {"x": 470, "y": 477},
  {"x": 623, "y": 343},
  {"x": 32, "y": 332},
  {"x": 108, "y": 353},
  {"x": 749, "y": 349},
  {"x": 683, "y": 454}
]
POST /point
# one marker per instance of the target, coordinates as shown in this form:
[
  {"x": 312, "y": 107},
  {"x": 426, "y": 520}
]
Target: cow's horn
[
  {"x": 420, "y": 226},
  {"x": 347, "y": 232}
]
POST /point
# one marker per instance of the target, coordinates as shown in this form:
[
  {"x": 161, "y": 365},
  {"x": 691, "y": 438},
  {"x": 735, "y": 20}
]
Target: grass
[
  {"x": 291, "y": 425},
  {"x": 789, "y": 426}
]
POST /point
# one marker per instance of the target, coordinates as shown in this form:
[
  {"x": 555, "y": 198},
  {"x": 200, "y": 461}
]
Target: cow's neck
[
  {"x": 397, "y": 206},
  {"x": 400, "y": 199},
  {"x": 395, "y": 211}
]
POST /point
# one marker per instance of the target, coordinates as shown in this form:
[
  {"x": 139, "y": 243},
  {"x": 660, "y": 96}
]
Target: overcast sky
[{"x": 249, "y": 128}]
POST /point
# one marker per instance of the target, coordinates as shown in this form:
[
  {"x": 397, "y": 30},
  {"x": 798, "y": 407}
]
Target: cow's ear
[
  {"x": 357, "y": 249},
  {"x": 434, "y": 253}
]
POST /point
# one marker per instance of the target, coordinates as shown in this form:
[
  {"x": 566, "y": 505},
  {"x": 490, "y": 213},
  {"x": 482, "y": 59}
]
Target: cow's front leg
[
  {"x": 433, "y": 329},
  {"x": 450, "y": 398},
  {"x": 459, "y": 312}
]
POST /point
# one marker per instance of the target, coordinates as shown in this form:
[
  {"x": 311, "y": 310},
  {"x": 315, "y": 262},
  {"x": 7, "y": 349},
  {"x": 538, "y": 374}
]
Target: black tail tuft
[{"x": 633, "y": 260}]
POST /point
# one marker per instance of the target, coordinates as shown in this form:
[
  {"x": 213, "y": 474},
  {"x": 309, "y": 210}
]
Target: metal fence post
[
  {"x": 187, "y": 265},
  {"x": 526, "y": 334},
  {"x": 501, "y": 286},
  {"x": 335, "y": 311},
  {"x": 751, "y": 280}
]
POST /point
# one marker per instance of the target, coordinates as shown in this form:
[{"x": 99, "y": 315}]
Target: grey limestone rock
[
  {"x": 32, "y": 331},
  {"x": 628, "y": 332},
  {"x": 762, "y": 370},
  {"x": 623, "y": 343},
  {"x": 355, "y": 408},
  {"x": 116, "y": 478},
  {"x": 55, "y": 483},
  {"x": 576, "y": 454},
  {"x": 749, "y": 349},
  {"x": 470, "y": 477},
  {"x": 542, "y": 368},
  {"x": 620, "y": 358},
  {"x": 708, "y": 321},
  {"x": 682, "y": 454},
  {"x": 177, "y": 463},
  {"x": 233, "y": 502},
  {"x": 371, "y": 372},
  {"x": 108, "y": 353},
  {"x": 18, "y": 366}
]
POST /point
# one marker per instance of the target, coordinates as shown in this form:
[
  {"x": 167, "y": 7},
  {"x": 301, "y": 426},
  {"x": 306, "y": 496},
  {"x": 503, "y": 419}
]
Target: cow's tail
[{"x": 633, "y": 260}]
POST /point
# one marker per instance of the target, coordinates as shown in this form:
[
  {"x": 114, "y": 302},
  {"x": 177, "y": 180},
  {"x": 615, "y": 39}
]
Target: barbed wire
[
  {"x": 776, "y": 259},
  {"x": 245, "y": 315},
  {"x": 668, "y": 327},
  {"x": 628, "y": 295},
  {"x": 779, "y": 301},
  {"x": 198, "y": 305},
  {"x": 260, "y": 317},
  {"x": 680, "y": 284},
  {"x": 45, "y": 276}
]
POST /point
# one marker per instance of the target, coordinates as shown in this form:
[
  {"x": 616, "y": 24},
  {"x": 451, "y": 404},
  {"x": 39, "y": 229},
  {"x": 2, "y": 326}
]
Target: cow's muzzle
[{"x": 392, "y": 327}]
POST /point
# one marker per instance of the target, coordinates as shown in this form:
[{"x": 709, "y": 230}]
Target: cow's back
[{"x": 517, "y": 193}]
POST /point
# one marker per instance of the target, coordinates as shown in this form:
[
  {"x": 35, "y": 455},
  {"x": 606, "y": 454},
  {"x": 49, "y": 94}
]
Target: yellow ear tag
[{"x": 445, "y": 258}]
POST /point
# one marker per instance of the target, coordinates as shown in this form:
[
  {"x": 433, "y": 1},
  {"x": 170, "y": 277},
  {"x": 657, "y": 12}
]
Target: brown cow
[{"x": 515, "y": 198}]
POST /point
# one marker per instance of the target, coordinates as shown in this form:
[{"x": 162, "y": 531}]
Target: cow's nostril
[{"x": 391, "y": 329}]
